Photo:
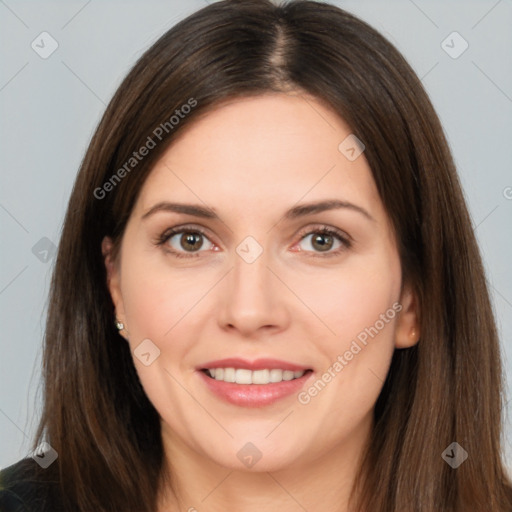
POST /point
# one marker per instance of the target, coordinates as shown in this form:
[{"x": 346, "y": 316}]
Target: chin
[{"x": 256, "y": 457}]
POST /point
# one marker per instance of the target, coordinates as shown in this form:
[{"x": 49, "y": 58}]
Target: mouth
[
  {"x": 253, "y": 384},
  {"x": 259, "y": 377}
]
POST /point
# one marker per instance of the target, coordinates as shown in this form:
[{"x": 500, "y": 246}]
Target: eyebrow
[{"x": 293, "y": 213}]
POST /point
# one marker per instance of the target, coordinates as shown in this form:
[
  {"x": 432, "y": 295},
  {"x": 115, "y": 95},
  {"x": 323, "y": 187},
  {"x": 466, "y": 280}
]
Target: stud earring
[{"x": 119, "y": 325}]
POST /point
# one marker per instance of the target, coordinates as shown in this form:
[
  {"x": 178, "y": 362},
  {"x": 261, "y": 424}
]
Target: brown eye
[
  {"x": 191, "y": 241},
  {"x": 322, "y": 241},
  {"x": 325, "y": 240},
  {"x": 183, "y": 242}
]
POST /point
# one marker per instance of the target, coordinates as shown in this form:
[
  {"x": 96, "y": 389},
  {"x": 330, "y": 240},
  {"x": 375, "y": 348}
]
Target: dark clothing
[{"x": 24, "y": 487}]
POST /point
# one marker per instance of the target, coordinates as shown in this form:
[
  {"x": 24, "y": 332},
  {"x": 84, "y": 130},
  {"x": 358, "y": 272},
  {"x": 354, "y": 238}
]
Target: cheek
[
  {"x": 159, "y": 305},
  {"x": 156, "y": 299},
  {"x": 353, "y": 298},
  {"x": 360, "y": 307}
]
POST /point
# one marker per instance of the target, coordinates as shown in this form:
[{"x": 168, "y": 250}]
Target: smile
[
  {"x": 253, "y": 384},
  {"x": 244, "y": 376}
]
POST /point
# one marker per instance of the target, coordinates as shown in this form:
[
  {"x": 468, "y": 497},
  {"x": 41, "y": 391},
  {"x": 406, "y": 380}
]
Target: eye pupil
[
  {"x": 194, "y": 239},
  {"x": 322, "y": 244}
]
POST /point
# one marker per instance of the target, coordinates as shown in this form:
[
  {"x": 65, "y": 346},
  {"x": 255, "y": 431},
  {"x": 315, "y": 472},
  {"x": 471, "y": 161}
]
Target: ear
[
  {"x": 408, "y": 322},
  {"x": 113, "y": 282}
]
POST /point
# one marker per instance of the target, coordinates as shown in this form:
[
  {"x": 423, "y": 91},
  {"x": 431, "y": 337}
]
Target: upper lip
[{"x": 257, "y": 364}]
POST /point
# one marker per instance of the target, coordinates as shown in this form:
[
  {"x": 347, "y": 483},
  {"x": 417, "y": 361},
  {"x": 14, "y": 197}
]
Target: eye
[
  {"x": 323, "y": 240},
  {"x": 185, "y": 241}
]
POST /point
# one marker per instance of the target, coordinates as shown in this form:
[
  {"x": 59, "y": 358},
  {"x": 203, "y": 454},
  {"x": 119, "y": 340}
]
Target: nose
[{"x": 253, "y": 300}]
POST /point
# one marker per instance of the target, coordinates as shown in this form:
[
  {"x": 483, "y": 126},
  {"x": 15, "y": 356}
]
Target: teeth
[
  {"x": 260, "y": 377},
  {"x": 243, "y": 376},
  {"x": 229, "y": 374}
]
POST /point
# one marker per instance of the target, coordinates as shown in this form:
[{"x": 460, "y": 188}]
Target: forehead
[{"x": 274, "y": 148}]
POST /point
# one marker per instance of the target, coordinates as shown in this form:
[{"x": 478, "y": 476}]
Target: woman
[{"x": 268, "y": 294}]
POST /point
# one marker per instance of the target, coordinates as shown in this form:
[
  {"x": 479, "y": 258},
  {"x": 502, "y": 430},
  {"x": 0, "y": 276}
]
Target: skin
[{"x": 251, "y": 160}]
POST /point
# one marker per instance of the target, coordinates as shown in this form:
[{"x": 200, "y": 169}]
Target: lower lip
[{"x": 254, "y": 395}]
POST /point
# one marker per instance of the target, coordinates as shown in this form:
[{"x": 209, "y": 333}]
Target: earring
[{"x": 119, "y": 325}]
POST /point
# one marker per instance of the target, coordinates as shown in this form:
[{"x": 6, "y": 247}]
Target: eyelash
[{"x": 323, "y": 230}]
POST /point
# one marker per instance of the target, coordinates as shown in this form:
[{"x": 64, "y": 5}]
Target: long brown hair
[{"x": 447, "y": 388}]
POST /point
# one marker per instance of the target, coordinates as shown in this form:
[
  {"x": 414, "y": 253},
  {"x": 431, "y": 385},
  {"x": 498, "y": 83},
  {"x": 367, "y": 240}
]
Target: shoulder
[{"x": 25, "y": 488}]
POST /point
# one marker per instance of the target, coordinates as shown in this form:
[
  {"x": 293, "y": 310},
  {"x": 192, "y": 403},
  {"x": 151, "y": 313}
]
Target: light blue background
[{"x": 50, "y": 107}]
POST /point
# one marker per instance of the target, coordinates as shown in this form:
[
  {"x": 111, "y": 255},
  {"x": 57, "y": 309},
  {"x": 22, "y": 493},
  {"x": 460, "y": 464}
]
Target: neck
[{"x": 312, "y": 482}]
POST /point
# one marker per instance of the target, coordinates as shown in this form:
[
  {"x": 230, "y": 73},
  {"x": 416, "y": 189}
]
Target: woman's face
[{"x": 250, "y": 282}]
